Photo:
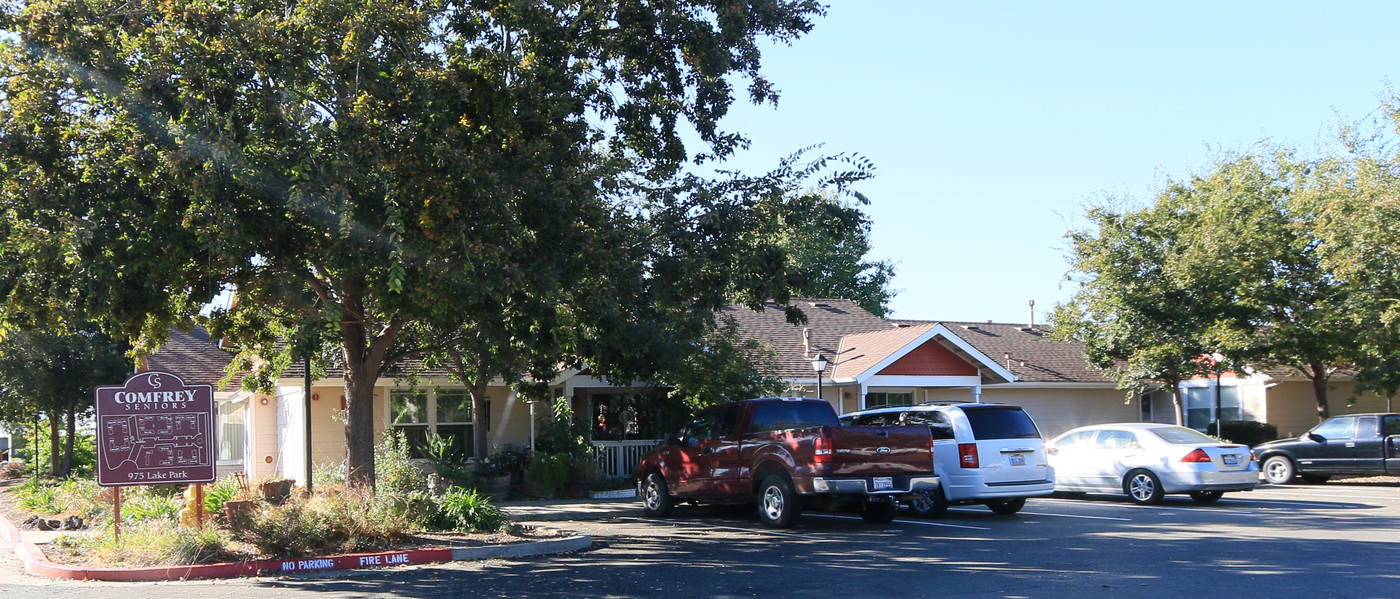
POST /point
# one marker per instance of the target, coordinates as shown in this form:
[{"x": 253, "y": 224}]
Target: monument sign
[{"x": 154, "y": 429}]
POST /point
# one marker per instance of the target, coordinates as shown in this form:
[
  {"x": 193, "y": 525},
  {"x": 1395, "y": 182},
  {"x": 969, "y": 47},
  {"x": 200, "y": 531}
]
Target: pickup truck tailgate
[{"x": 880, "y": 451}]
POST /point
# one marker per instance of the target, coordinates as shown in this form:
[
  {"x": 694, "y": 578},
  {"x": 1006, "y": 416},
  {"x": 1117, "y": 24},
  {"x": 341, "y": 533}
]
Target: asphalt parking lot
[{"x": 1333, "y": 540}]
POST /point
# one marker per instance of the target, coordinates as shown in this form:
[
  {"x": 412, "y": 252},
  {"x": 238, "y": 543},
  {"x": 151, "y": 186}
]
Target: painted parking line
[
  {"x": 918, "y": 522},
  {"x": 719, "y": 527}
]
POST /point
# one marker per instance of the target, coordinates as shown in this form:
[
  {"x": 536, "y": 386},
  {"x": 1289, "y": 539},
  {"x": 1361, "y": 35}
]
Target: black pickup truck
[{"x": 1351, "y": 445}]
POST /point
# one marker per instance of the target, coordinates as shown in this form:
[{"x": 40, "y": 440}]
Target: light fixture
[{"x": 819, "y": 365}]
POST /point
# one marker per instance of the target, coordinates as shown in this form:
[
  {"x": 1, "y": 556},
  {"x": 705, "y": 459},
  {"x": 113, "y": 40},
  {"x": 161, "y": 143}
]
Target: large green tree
[
  {"x": 828, "y": 242},
  {"x": 354, "y": 167},
  {"x": 1140, "y": 317},
  {"x": 49, "y": 374},
  {"x": 1231, "y": 259}
]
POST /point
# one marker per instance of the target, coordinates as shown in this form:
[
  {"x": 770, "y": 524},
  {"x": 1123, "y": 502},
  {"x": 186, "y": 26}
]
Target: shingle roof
[
  {"x": 193, "y": 357},
  {"x": 861, "y": 351},
  {"x": 829, "y": 320},
  {"x": 1034, "y": 356}
]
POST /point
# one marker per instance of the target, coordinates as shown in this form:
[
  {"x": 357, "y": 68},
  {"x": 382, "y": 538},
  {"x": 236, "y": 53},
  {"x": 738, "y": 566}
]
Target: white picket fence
[{"x": 619, "y": 459}]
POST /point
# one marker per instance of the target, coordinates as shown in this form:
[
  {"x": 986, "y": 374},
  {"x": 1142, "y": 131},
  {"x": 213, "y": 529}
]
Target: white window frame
[{"x": 1210, "y": 385}]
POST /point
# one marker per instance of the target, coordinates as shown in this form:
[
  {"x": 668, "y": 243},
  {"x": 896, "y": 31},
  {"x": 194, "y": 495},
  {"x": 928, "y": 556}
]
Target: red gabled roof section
[{"x": 931, "y": 358}]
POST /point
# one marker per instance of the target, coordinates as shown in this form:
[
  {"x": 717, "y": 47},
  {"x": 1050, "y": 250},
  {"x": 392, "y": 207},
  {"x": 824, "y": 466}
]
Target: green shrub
[
  {"x": 337, "y": 520},
  {"x": 394, "y": 470},
  {"x": 549, "y": 471},
  {"x": 152, "y": 506},
  {"x": 149, "y": 543},
  {"x": 84, "y": 498},
  {"x": 39, "y": 498},
  {"x": 448, "y": 462},
  {"x": 467, "y": 510},
  {"x": 559, "y": 433},
  {"x": 1244, "y": 432},
  {"x": 222, "y": 491}
]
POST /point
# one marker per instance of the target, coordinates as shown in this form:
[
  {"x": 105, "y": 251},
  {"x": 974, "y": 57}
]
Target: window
[
  {"x": 624, "y": 416},
  {"x": 713, "y": 424},
  {"x": 889, "y": 399},
  {"x": 783, "y": 415},
  {"x": 228, "y": 419},
  {"x": 1000, "y": 422},
  {"x": 1116, "y": 439},
  {"x": 1341, "y": 427},
  {"x": 419, "y": 412},
  {"x": 1200, "y": 405},
  {"x": 1081, "y": 439},
  {"x": 875, "y": 419},
  {"x": 1392, "y": 426},
  {"x": 939, "y": 426}
]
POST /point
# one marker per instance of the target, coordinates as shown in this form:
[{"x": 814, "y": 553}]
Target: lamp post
[{"x": 819, "y": 365}]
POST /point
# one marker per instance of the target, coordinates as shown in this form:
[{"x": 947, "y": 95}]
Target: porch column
[
  {"x": 861, "y": 405},
  {"x": 977, "y": 394}
]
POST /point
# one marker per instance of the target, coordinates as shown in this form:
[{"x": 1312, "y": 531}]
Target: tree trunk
[
  {"x": 364, "y": 350},
  {"x": 1318, "y": 376},
  {"x": 1177, "y": 404},
  {"x": 55, "y": 465},
  {"x": 68, "y": 442},
  {"x": 479, "y": 416}
]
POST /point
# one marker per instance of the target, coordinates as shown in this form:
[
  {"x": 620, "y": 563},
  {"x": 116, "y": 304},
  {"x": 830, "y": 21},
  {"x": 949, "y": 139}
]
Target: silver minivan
[{"x": 991, "y": 454}]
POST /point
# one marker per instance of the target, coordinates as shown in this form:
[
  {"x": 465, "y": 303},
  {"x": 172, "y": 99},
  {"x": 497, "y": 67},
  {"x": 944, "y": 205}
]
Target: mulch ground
[{"x": 245, "y": 552}]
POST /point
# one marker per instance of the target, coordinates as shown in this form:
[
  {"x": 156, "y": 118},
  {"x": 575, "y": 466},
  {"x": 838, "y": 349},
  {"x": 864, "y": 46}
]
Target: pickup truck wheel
[
  {"x": 1143, "y": 487},
  {"x": 778, "y": 505},
  {"x": 931, "y": 504},
  {"x": 1315, "y": 479},
  {"x": 1207, "y": 496},
  {"x": 877, "y": 512},
  {"x": 1006, "y": 507},
  {"x": 656, "y": 500},
  {"x": 1279, "y": 470}
]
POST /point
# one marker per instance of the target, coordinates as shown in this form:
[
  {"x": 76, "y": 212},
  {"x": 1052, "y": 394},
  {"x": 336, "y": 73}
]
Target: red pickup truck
[{"x": 778, "y": 452}]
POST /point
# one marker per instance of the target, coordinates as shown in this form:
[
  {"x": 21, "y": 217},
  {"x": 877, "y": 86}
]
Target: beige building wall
[
  {"x": 1292, "y": 406},
  {"x": 262, "y": 419},
  {"x": 1058, "y": 410}
]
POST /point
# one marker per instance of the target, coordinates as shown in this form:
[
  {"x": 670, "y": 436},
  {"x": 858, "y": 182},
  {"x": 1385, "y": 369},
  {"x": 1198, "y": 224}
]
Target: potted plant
[
  {"x": 276, "y": 491},
  {"x": 493, "y": 479}
]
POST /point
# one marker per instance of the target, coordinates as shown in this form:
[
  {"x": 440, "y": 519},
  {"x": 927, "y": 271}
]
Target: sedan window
[
  {"x": 1114, "y": 439},
  {"x": 1183, "y": 436}
]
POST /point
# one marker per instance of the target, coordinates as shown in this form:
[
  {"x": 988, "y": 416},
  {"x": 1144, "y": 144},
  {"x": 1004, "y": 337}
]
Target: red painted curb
[
  {"x": 36, "y": 563},
  {"x": 8, "y": 530}
]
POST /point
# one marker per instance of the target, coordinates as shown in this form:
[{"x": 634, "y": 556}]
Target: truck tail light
[
  {"x": 823, "y": 449},
  {"x": 1252, "y": 457},
  {"x": 1197, "y": 456},
  {"x": 967, "y": 455}
]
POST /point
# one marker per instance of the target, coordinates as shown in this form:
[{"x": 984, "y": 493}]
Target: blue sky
[{"x": 991, "y": 123}]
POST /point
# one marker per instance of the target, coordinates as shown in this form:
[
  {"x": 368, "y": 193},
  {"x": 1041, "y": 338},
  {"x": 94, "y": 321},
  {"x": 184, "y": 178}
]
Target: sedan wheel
[{"x": 1143, "y": 488}]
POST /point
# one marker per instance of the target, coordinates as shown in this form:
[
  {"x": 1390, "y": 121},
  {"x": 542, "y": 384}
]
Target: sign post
[{"x": 154, "y": 429}]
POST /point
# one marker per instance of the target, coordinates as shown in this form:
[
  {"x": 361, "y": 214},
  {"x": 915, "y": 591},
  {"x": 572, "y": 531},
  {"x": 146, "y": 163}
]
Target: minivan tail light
[
  {"x": 1198, "y": 455},
  {"x": 967, "y": 455},
  {"x": 823, "y": 449}
]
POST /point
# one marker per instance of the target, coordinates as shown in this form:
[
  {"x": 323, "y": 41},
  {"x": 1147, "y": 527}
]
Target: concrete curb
[
  {"x": 8, "y": 531},
  {"x": 38, "y": 564}
]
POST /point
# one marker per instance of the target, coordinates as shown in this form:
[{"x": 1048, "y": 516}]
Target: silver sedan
[{"x": 1148, "y": 460}]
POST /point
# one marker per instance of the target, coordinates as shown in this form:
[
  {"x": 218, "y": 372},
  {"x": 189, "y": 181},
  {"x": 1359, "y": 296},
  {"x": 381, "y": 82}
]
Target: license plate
[
  {"x": 1231, "y": 459},
  {"x": 1016, "y": 459},
  {"x": 883, "y": 483}
]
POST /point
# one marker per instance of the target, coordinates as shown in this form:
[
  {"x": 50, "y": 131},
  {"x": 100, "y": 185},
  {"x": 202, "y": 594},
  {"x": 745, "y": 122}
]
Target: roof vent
[
  {"x": 820, "y": 304},
  {"x": 970, "y": 327},
  {"x": 901, "y": 325}
]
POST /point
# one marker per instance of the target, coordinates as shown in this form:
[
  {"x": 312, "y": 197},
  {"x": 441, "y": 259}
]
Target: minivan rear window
[{"x": 1000, "y": 422}]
